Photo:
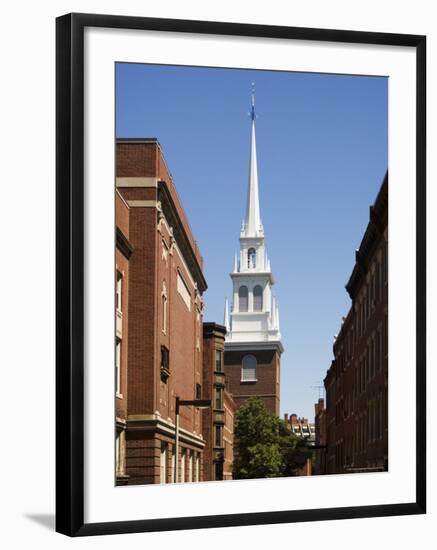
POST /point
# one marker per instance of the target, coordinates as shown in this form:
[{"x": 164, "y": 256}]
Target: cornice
[
  {"x": 170, "y": 212},
  {"x": 122, "y": 243}
]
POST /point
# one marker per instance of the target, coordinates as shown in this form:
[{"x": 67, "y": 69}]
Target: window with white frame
[
  {"x": 257, "y": 298},
  {"x": 164, "y": 309},
  {"x": 248, "y": 369},
  {"x": 251, "y": 258},
  {"x": 183, "y": 291},
  {"x": 243, "y": 298},
  {"x": 118, "y": 366},
  {"x": 218, "y": 439},
  {"x": 218, "y": 360},
  {"x": 218, "y": 398},
  {"x": 118, "y": 291}
]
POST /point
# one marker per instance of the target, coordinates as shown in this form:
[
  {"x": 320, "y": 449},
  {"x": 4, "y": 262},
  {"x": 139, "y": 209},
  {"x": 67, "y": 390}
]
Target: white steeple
[
  {"x": 252, "y": 226},
  {"x": 254, "y": 314}
]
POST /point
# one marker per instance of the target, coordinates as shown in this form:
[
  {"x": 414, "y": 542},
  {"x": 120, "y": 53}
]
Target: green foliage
[
  {"x": 257, "y": 447},
  {"x": 265, "y": 445},
  {"x": 294, "y": 450}
]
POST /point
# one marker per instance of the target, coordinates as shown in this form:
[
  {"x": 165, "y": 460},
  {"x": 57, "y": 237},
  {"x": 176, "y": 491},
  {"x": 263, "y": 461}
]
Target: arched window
[
  {"x": 248, "y": 369},
  {"x": 257, "y": 298},
  {"x": 251, "y": 258},
  {"x": 243, "y": 299},
  {"x": 164, "y": 308}
]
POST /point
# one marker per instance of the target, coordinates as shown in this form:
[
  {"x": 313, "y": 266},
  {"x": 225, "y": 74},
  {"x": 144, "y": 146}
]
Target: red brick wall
[
  {"x": 145, "y": 159},
  {"x": 149, "y": 268},
  {"x": 122, "y": 266},
  {"x": 267, "y": 373}
]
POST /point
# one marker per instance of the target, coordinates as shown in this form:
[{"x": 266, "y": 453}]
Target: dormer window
[{"x": 251, "y": 258}]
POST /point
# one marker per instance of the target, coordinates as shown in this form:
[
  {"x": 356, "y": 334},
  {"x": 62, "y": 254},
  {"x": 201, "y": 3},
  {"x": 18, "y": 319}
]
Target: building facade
[
  {"x": 218, "y": 421},
  {"x": 253, "y": 341},
  {"x": 162, "y": 313},
  {"x": 123, "y": 252},
  {"x": 301, "y": 427},
  {"x": 356, "y": 382},
  {"x": 320, "y": 437}
]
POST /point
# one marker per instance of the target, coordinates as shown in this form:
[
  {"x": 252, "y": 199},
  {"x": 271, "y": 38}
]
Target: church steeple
[
  {"x": 253, "y": 343},
  {"x": 252, "y": 226},
  {"x": 254, "y": 312}
]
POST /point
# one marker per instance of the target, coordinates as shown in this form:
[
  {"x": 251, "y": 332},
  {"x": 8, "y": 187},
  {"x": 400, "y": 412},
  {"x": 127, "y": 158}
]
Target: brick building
[
  {"x": 320, "y": 437},
  {"x": 160, "y": 268},
  {"x": 123, "y": 252},
  {"x": 356, "y": 382},
  {"x": 218, "y": 421},
  {"x": 253, "y": 345},
  {"x": 301, "y": 427}
]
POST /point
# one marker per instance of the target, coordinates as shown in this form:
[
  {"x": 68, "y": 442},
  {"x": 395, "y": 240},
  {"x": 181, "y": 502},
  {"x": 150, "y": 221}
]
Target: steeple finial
[
  {"x": 252, "y": 113},
  {"x": 252, "y": 223}
]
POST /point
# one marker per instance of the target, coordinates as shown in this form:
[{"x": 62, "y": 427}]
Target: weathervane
[{"x": 252, "y": 113}]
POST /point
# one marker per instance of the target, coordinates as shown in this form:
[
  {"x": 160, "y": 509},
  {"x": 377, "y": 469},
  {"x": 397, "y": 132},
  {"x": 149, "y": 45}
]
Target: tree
[
  {"x": 257, "y": 450},
  {"x": 265, "y": 445},
  {"x": 295, "y": 451}
]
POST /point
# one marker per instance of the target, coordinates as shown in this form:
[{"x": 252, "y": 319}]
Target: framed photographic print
[{"x": 240, "y": 274}]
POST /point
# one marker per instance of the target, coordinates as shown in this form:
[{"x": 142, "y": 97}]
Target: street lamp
[{"x": 199, "y": 404}]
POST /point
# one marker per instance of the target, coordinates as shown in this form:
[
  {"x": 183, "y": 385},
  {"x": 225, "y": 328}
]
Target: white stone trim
[
  {"x": 121, "y": 197},
  {"x": 142, "y": 204},
  {"x": 175, "y": 246},
  {"x": 136, "y": 182}
]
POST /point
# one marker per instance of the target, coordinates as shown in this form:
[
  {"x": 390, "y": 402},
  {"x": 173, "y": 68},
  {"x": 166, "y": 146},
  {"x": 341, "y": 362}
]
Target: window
[
  {"x": 243, "y": 299},
  {"x": 164, "y": 309},
  {"x": 219, "y": 360},
  {"x": 165, "y": 364},
  {"x": 251, "y": 258},
  {"x": 163, "y": 463},
  {"x": 257, "y": 298},
  {"x": 248, "y": 369},
  {"x": 218, "y": 440},
  {"x": 198, "y": 391},
  {"x": 219, "y": 398},
  {"x": 118, "y": 291},
  {"x": 218, "y": 470},
  {"x": 118, "y": 367},
  {"x": 183, "y": 461},
  {"x": 183, "y": 291}
]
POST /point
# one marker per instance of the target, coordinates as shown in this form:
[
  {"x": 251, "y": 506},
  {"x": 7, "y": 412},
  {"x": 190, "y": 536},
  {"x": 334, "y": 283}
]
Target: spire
[{"x": 252, "y": 223}]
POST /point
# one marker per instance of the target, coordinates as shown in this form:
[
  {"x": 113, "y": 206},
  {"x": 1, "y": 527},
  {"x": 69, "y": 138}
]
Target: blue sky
[{"x": 322, "y": 155}]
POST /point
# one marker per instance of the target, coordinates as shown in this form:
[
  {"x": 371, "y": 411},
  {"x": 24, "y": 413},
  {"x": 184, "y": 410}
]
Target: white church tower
[{"x": 253, "y": 341}]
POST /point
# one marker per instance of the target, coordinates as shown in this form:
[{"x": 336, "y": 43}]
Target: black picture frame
[{"x": 70, "y": 273}]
